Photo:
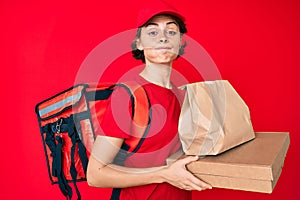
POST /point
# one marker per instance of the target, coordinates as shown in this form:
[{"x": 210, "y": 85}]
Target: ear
[
  {"x": 182, "y": 43},
  {"x": 139, "y": 45}
]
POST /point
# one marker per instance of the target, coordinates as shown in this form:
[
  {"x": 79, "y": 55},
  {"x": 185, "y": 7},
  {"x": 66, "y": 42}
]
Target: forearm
[
  {"x": 121, "y": 177},
  {"x": 101, "y": 173}
]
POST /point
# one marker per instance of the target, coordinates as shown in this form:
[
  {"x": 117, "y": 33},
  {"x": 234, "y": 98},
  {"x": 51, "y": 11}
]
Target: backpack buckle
[{"x": 58, "y": 126}]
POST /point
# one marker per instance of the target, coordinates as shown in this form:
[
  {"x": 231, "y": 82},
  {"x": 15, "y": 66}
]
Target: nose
[{"x": 163, "y": 39}]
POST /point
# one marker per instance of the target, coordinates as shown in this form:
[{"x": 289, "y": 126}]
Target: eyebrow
[{"x": 155, "y": 24}]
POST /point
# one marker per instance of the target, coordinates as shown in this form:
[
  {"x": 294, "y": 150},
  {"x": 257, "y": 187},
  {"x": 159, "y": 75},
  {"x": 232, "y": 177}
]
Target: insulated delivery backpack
[{"x": 69, "y": 123}]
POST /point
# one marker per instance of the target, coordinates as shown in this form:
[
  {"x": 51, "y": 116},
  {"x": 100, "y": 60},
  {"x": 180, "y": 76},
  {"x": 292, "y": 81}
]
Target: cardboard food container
[{"x": 254, "y": 166}]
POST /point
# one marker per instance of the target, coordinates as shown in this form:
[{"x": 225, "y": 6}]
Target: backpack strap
[
  {"x": 139, "y": 100},
  {"x": 141, "y": 114},
  {"x": 75, "y": 140},
  {"x": 56, "y": 153},
  {"x": 55, "y": 143}
]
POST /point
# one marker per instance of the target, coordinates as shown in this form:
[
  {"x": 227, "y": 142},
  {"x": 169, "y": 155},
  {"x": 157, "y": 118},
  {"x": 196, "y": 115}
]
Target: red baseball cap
[{"x": 150, "y": 8}]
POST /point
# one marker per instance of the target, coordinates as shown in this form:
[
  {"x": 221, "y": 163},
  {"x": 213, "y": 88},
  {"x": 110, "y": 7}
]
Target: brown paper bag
[{"x": 213, "y": 118}]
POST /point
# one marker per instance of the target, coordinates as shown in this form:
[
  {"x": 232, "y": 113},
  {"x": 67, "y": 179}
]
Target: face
[{"x": 160, "y": 39}]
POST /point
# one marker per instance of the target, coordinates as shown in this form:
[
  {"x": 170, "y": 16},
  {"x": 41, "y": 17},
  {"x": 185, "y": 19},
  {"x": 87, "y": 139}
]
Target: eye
[
  {"x": 171, "y": 33},
  {"x": 153, "y": 33}
]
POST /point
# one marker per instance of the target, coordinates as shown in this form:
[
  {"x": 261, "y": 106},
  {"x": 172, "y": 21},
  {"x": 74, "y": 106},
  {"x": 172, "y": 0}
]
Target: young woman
[{"x": 145, "y": 175}]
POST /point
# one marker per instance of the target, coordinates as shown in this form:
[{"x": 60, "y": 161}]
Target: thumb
[{"x": 189, "y": 159}]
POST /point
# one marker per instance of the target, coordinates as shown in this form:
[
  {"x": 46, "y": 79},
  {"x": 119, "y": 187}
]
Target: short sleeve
[{"x": 117, "y": 118}]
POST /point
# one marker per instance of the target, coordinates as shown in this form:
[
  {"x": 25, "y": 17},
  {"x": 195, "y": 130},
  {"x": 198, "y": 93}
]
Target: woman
[{"x": 158, "y": 43}]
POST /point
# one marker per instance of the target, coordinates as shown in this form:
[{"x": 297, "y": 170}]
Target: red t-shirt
[{"x": 162, "y": 139}]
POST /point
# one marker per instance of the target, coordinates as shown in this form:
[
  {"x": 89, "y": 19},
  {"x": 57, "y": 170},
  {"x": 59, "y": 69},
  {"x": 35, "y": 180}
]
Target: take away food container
[{"x": 253, "y": 166}]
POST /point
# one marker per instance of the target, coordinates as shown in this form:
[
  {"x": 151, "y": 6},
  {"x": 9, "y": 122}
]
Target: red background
[{"x": 255, "y": 45}]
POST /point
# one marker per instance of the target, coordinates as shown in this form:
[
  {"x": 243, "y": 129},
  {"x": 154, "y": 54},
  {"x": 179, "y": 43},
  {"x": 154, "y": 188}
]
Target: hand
[{"x": 177, "y": 175}]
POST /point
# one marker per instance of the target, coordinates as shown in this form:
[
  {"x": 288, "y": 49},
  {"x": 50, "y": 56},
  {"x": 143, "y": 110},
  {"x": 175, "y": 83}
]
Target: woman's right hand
[{"x": 177, "y": 175}]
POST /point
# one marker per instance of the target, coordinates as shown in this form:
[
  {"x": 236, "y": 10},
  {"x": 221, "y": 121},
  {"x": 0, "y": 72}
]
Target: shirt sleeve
[{"x": 117, "y": 118}]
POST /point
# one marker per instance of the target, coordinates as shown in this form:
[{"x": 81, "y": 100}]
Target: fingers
[
  {"x": 188, "y": 160},
  {"x": 195, "y": 187},
  {"x": 180, "y": 177},
  {"x": 190, "y": 185},
  {"x": 194, "y": 183}
]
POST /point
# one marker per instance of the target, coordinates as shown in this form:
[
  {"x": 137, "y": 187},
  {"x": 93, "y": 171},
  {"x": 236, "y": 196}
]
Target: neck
[{"x": 158, "y": 74}]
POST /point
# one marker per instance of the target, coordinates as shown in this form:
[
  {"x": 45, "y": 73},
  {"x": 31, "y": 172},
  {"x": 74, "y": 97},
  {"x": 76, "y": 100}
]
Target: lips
[{"x": 163, "y": 48}]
